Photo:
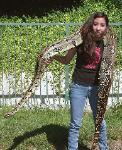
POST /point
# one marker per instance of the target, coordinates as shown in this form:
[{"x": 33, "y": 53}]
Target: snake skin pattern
[
  {"x": 106, "y": 73},
  {"x": 41, "y": 65},
  {"x": 106, "y": 77}
]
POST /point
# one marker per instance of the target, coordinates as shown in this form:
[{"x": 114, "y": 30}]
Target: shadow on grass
[{"x": 56, "y": 135}]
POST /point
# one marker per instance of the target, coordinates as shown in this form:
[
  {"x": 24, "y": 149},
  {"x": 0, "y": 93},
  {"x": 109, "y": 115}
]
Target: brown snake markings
[{"x": 106, "y": 74}]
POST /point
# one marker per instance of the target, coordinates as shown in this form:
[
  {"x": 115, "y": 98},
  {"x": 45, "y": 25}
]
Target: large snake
[{"x": 106, "y": 73}]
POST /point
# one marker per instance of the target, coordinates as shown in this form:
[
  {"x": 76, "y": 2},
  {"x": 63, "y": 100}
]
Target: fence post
[{"x": 67, "y": 71}]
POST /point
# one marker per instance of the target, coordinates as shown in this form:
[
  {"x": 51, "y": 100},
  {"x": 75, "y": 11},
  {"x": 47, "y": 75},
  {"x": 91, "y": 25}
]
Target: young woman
[{"x": 85, "y": 80}]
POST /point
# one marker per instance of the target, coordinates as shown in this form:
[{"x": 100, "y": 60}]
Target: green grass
[{"x": 38, "y": 129}]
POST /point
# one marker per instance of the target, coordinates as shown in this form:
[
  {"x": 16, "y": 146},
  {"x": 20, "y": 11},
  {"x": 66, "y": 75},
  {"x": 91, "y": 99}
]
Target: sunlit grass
[{"x": 48, "y": 129}]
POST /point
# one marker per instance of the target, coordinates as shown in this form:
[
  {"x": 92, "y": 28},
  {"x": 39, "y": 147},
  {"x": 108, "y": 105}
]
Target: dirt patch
[
  {"x": 1, "y": 147},
  {"x": 115, "y": 145}
]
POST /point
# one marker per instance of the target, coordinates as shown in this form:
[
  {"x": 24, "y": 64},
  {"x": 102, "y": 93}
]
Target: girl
[{"x": 85, "y": 79}]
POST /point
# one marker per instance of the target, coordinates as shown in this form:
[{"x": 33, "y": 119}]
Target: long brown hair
[{"x": 87, "y": 33}]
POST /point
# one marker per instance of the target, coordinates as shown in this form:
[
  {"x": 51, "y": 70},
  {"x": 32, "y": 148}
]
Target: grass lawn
[{"x": 38, "y": 129}]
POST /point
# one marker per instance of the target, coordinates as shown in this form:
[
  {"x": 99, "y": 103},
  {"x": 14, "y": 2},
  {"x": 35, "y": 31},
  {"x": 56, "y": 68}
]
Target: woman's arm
[{"x": 67, "y": 58}]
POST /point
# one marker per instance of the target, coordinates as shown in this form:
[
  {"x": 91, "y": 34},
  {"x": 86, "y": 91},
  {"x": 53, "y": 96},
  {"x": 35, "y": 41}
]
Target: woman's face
[{"x": 99, "y": 27}]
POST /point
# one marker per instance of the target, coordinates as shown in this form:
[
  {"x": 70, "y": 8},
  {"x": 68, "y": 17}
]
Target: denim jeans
[{"x": 78, "y": 96}]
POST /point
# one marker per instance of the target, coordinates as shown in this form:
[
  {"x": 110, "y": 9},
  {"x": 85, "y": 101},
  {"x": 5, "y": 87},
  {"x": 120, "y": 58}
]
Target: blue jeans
[{"x": 78, "y": 96}]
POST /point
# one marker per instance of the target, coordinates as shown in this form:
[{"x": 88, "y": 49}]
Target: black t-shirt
[{"x": 87, "y": 67}]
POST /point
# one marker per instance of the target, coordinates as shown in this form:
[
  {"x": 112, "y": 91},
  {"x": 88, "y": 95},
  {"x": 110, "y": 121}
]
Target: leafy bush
[{"x": 21, "y": 44}]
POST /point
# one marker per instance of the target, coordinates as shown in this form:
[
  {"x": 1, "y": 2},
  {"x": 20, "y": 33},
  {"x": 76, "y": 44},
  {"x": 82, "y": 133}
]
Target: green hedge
[{"x": 20, "y": 45}]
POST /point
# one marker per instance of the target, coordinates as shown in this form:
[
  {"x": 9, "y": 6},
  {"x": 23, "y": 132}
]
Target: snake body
[{"x": 105, "y": 73}]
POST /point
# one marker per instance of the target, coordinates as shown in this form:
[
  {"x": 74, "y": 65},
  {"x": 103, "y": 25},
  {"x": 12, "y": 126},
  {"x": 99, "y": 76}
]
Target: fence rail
[{"x": 20, "y": 43}]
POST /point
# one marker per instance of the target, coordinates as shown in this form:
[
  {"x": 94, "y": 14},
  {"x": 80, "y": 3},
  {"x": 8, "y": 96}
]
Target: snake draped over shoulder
[{"x": 105, "y": 73}]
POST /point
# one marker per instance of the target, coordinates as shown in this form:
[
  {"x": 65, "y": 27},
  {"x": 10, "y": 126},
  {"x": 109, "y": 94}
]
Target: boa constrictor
[{"x": 106, "y": 73}]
